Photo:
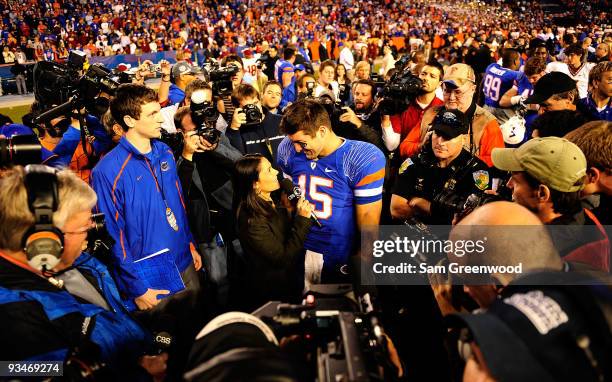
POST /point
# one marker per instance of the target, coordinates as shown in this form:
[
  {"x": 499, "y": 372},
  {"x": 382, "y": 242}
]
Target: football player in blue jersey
[
  {"x": 498, "y": 80},
  {"x": 341, "y": 177}
]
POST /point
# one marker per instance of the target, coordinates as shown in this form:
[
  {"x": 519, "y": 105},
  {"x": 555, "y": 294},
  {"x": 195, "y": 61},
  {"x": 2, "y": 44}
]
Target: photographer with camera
[
  {"x": 359, "y": 121},
  {"x": 205, "y": 168},
  {"x": 404, "y": 130},
  {"x": 252, "y": 131},
  {"x": 224, "y": 96},
  {"x": 57, "y": 300},
  {"x": 435, "y": 184}
]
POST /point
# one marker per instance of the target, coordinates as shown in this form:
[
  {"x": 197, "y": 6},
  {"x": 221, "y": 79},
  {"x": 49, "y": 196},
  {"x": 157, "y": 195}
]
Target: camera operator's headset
[{"x": 43, "y": 242}]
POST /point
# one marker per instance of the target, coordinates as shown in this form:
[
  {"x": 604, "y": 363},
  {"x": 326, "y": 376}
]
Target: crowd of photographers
[{"x": 198, "y": 221}]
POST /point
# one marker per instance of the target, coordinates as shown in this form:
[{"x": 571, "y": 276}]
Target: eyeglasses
[
  {"x": 90, "y": 225},
  {"x": 456, "y": 92}
]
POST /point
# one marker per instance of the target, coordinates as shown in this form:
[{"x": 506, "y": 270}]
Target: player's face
[
  {"x": 535, "y": 77},
  {"x": 574, "y": 60},
  {"x": 150, "y": 121},
  {"x": 271, "y": 97},
  {"x": 605, "y": 85},
  {"x": 430, "y": 76},
  {"x": 268, "y": 180},
  {"x": 541, "y": 52},
  {"x": 327, "y": 75},
  {"x": 311, "y": 146},
  {"x": 522, "y": 193},
  {"x": 444, "y": 148}
]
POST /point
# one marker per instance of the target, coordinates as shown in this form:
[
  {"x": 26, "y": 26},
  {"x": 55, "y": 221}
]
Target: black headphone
[{"x": 43, "y": 242}]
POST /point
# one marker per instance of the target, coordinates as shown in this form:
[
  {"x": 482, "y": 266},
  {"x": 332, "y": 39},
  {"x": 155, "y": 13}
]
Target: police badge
[{"x": 481, "y": 179}]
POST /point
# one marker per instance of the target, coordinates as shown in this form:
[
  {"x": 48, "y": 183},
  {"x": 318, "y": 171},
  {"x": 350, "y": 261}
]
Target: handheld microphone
[{"x": 294, "y": 194}]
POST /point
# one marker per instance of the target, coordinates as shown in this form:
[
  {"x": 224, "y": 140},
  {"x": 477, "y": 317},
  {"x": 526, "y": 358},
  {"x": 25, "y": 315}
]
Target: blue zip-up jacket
[
  {"x": 44, "y": 322},
  {"x": 148, "y": 252},
  {"x": 72, "y": 138},
  {"x": 175, "y": 95}
]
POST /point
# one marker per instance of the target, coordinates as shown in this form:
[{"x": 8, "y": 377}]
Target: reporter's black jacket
[
  {"x": 274, "y": 256},
  {"x": 207, "y": 186}
]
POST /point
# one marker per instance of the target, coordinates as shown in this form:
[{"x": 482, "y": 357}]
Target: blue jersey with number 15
[
  {"x": 497, "y": 81},
  {"x": 351, "y": 175}
]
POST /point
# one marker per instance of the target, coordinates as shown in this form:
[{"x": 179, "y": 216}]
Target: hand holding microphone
[{"x": 294, "y": 194}]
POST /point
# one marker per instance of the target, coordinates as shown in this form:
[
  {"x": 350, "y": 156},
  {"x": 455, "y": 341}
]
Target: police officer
[{"x": 435, "y": 183}]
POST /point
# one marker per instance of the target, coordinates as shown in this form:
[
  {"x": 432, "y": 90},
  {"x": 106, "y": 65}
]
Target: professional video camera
[
  {"x": 326, "y": 338},
  {"x": 63, "y": 85},
  {"x": 332, "y": 107},
  {"x": 400, "y": 90},
  {"x": 204, "y": 115},
  {"x": 74, "y": 95},
  {"x": 20, "y": 150},
  {"x": 221, "y": 77}
]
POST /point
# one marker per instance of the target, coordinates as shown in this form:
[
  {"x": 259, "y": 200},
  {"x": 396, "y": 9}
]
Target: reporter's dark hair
[
  {"x": 565, "y": 203},
  {"x": 368, "y": 82},
  {"x": 304, "y": 115},
  {"x": 128, "y": 100},
  {"x": 246, "y": 173}
]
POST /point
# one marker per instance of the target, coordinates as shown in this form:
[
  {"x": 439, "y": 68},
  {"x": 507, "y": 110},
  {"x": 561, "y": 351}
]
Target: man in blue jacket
[
  {"x": 71, "y": 303},
  {"x": 139, "y": 190}
]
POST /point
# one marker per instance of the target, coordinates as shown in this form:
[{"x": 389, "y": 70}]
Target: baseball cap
[
  {"x": 535, "y": 333},
  {"x": 450, "y": 123},
  {"x": 554, "y": 161},
  {"x": 300, "y": 67},
  {"x": 549, "y": 85},
  {"x": 183, "y": 67},
  {"x": 458, "y": 74}
]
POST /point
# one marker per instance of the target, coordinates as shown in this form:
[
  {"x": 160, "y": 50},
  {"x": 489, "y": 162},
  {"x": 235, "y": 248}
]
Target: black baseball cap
[
  {"x": 549, "y": 85},
  {"x": 541, "y": 333},
  {"x": 450, "y": 123}
]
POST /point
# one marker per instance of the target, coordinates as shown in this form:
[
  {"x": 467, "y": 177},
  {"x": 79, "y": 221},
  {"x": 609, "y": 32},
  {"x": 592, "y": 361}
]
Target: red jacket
[{"x": 408, "y": 125}]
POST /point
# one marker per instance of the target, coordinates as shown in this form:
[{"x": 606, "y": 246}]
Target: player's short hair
[
  {"x": 306, "y": 116},
  {"x": 243, "y": 91},
  {"x": 534, "y": 65},
  {"x": 595, "y": 140},
  {"x": 508, "y": 56},
  {"x": 598, "y": 70},
  {"x": 272, "y": 83},
  {"x": 327, "y": 63},
  {"x": 288, "y": 53},
  {"x": 129, "y": 100}
]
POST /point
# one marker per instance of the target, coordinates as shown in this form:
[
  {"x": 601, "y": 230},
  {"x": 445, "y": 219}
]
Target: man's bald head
[{"x": 513, "y": 235}]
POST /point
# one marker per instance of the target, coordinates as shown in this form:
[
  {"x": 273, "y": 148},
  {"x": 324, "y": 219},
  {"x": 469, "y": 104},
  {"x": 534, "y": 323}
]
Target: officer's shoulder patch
[
  {"x": 481, "y": 179},
  {"x": 405, "y": 164}
]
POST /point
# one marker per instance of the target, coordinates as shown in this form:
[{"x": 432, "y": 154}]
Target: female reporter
[{"x": 272, "y": 241}]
